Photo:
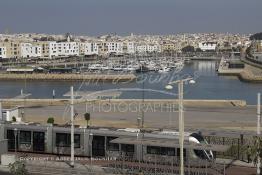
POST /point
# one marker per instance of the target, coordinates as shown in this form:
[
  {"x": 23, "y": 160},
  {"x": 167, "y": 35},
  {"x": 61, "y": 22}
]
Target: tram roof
[{"x": 170, "y": 144}]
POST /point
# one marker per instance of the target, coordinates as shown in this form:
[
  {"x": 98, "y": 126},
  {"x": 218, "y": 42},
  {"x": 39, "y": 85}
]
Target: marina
[{"x": 209, "y": 85}]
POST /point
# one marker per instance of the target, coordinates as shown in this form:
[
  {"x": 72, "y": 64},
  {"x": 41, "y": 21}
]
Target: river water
[{"x": 208, "y": 85}]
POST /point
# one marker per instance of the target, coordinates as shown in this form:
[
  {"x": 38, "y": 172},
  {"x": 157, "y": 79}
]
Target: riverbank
[{"x": 69, "y": 77}]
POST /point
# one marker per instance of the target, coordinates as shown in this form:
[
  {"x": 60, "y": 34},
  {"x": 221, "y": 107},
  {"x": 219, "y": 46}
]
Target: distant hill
[{"x": 257, "y": 36}]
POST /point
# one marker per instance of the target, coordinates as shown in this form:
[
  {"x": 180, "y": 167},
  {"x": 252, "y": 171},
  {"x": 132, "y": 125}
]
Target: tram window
[
  {"x": 112, "y": 146},
  {"x": 178, "y": 152},
  {"x": 11, "y": 139},
  {"x": 153, "y": 150},
  {"x": 163, "y": 150},
  {"x": 171, "y": 151},
  {"x": 128, "y": 148},
  {"x": 64, "y": 140},
  {"x": 25, "y": 137}
]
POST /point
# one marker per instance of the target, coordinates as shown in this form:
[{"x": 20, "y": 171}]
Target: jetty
[{"x": 68, "y": 77}]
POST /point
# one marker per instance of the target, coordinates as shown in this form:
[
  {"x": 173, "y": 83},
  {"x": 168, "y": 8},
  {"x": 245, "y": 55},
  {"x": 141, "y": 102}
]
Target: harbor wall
[{"x": 248, "y": 74}]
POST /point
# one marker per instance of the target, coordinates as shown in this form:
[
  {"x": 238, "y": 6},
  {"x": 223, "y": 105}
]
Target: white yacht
[{"x": 164, "y": 70}]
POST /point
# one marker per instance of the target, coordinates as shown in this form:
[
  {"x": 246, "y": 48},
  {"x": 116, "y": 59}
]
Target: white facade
[
  {"x": 141, "y": 48},
  {"x": 53, "y": 49},
  {"x": 63, "y": 49},
  {"x": 148, "y": 48},
  {"x": 29, "y": 50},
  {"x": 131, "y": 48},
  {"x": 91, "y": 49},
  {"x": 207, "y": 46},
  {"x": 2, "y": 52},
  {"x": 8, "y": 114},
  {"x": 115, "y": 47},
  {"x": 153, "y": 48}
]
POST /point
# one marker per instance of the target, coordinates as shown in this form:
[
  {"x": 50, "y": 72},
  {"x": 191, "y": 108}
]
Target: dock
[{"x": 69, "y": 77}]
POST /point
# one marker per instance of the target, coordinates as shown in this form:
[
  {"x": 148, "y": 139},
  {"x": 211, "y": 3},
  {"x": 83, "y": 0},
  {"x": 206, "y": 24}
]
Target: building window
[
  {"x": 25, "y": 137},
  {"x": 64, "y": 140}
]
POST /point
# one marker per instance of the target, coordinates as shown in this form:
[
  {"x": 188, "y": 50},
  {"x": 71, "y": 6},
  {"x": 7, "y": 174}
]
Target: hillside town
[{"x": 50, "y": 46}]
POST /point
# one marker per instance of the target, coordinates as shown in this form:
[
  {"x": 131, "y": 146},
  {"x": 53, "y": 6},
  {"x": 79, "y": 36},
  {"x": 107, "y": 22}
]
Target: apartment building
[
  {"x": 3, "y": 52},
  {"x": 115, "y": 47},
  {"x": 13, "y": 49},
  {"x": 29, "y": 50},
  {"x": 52, "y": 49},
  {"x": 67, "y": 48},
  {"x": 168, "y": 46},
  {"x": 131, "y": 48},
  {"x": 148, "y": 48},
  {"x": 208, "y": 46},
  {"x": 44, "y": 48},
  {"x": 91, "y": 48},
  {"x": 102, "y": 48}
]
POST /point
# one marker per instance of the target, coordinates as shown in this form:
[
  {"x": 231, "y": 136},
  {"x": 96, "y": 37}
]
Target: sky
[{"x": 98, "y": 17}]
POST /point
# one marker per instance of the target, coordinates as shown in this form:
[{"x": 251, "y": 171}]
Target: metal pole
[
  {"x": 181, "y": 126},
  {"x": 15, "y": 133},
  {"x": 1, "y": 113},
  {"x": 53, "y": 94},
  {"x": 258, "y": 131},
  {"x": 72, "y": 126}
]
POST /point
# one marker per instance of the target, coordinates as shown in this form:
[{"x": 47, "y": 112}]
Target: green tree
[
  {"x": 18, "y": 168},
  {"x": 51, "y": 120},
  {"x": 13, "y": 119},
  {"x": 87, "y": 118},
  {"x": 188, "y": 49},
  {"x": 256, "y": 36}
]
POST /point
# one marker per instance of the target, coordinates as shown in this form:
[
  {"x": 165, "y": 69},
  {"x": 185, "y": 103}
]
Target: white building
[
  {"x": 2, "y": 52},
  {"x": 91, "y": 48},
  {"x": 131, "y": 48},
  {"x": 115, "y": 47},
  {"x": 63, "y": 49},
  {"x": 28, "y": 50},
  {"x": 141, "y": 48},
  {"x": 9, "y": 114},
  {"x": 148, "y": 48},
  {"x": 53, "y": 49},
  {"x": 67, "y": 48},
  {"x": 208, "y": 46},
  {"x": 153, "y": 48}
]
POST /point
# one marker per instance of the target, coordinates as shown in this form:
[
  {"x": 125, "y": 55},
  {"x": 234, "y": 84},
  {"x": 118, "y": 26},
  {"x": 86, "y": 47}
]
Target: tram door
[
  {"x": 39, "y": 141},
  {"x": 98, "y": 146}
]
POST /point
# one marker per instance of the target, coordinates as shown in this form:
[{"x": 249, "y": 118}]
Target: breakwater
[{"x": 69, "y": 77}]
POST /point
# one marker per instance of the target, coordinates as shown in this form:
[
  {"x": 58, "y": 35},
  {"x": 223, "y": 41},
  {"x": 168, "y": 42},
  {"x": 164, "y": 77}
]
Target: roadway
[{"x": 221, "y": 118}]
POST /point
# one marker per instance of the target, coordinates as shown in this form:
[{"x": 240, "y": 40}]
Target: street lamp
[{"x": 181, "y": 116}]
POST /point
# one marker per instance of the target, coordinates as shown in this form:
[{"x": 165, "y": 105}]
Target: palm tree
[{"x": 256, "y": 152}]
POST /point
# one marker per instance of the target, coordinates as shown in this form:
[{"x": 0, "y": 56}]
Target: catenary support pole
[
  {"x": 258, "y": 130},
  {"x": 72, "y": 127}
]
